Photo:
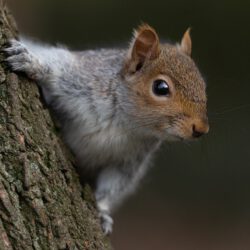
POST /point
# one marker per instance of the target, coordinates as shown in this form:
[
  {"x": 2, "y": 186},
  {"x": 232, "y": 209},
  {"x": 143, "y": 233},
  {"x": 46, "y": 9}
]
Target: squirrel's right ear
[
  {"x": 186, "y": 43},
  {"x": 144, "y": 46}
]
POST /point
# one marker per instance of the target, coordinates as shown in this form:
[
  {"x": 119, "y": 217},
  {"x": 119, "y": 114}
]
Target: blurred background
[{"x": 197, "y": 195}]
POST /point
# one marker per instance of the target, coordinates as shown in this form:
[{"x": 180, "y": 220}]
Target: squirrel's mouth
[
  {"x": 189, "y": 130},
  {"x": 177, "y": 137},
  {"x": 174, "y": 137}
]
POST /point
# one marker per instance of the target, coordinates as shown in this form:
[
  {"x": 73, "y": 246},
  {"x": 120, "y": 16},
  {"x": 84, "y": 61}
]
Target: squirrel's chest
[
  {"x": 107, "y": 146},
  {"x": 101, "y": 145}
]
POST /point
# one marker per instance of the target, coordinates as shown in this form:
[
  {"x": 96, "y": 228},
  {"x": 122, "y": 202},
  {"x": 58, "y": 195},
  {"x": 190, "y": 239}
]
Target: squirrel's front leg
[
  {"x": 22, "y": 59},
  {"x": 47, "y": 65},
  {"x": 112, "y": 186}
]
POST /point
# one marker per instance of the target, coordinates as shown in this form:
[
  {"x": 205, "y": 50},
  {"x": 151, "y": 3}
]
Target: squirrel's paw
[
  {"x": 106, "y": 222},
  {"x": 19, "y": 58}
]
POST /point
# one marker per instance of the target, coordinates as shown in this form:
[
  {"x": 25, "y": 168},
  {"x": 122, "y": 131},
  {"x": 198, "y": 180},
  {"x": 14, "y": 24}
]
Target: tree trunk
[{"x": 42, "y": 203}]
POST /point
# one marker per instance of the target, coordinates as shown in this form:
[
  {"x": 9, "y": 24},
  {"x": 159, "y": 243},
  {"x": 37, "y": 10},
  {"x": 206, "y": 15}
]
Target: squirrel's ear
[
  {"x": 144, "y": 46},
  {"x": 186, "y": 43}
]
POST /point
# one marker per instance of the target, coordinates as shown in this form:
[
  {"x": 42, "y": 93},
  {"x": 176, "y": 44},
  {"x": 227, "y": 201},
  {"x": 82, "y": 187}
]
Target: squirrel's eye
[{"x": 160, "y": 87}]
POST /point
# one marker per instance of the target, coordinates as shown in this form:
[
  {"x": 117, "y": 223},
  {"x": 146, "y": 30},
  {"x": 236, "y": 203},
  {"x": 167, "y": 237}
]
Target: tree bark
[{"x": 42, "y": 203}]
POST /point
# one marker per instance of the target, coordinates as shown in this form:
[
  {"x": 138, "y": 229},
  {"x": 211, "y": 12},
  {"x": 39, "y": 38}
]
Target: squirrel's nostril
[{"x": 197, "y": 133}]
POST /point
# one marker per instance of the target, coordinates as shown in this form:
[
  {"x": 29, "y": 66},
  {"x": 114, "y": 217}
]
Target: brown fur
[{"x": 185, "y": 107}]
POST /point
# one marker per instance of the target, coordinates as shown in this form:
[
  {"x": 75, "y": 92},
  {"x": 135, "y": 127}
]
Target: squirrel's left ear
[
  {"x": 186, "y": 43},
  {"x": 145, "y": 45}
]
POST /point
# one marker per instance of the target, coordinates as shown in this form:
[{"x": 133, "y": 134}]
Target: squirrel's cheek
[{"x": 161, "y": 128}]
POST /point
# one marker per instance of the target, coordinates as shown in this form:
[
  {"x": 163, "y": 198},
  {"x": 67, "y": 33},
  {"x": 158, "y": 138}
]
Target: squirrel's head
[{"x": 165, "y": 86}]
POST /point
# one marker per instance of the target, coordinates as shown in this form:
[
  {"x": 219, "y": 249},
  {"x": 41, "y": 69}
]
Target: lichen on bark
[{"x": 42, "y": 203}]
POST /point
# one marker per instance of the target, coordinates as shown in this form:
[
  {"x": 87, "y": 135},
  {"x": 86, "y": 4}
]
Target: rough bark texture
[{"x": 42, "y": 204}]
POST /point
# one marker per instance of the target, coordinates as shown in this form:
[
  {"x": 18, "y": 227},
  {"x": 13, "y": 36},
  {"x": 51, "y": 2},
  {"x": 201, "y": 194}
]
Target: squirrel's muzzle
[{"x": 199, "y": 128}]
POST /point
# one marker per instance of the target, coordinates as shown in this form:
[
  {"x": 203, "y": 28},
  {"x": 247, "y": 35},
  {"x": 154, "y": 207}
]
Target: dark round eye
[{"x": 160, "y": 87}]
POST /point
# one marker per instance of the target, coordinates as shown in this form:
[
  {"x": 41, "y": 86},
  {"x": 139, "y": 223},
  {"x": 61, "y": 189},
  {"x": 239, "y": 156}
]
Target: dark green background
[{"x": 197, "y": 196}]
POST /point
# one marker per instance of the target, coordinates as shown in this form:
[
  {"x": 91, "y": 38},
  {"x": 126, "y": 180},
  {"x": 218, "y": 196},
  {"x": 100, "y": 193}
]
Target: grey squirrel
[{"x": 117, "y": 106}]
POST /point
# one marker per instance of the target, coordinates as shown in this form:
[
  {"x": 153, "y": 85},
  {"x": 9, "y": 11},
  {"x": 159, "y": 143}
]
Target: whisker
[{"x": 230, "y": 110}]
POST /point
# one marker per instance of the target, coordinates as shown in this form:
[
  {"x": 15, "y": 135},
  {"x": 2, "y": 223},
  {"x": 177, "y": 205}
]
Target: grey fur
[
  {"x": 99, "y": 117},
  {"x": 86, "y": 92}
]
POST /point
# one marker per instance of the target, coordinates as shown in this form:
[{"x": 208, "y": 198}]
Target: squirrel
[{"x": 116, "y": 106}]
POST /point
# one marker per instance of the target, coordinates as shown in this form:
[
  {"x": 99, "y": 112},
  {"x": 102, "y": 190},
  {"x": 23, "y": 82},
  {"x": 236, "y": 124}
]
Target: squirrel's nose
[{"x": 200, "y": 129}]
